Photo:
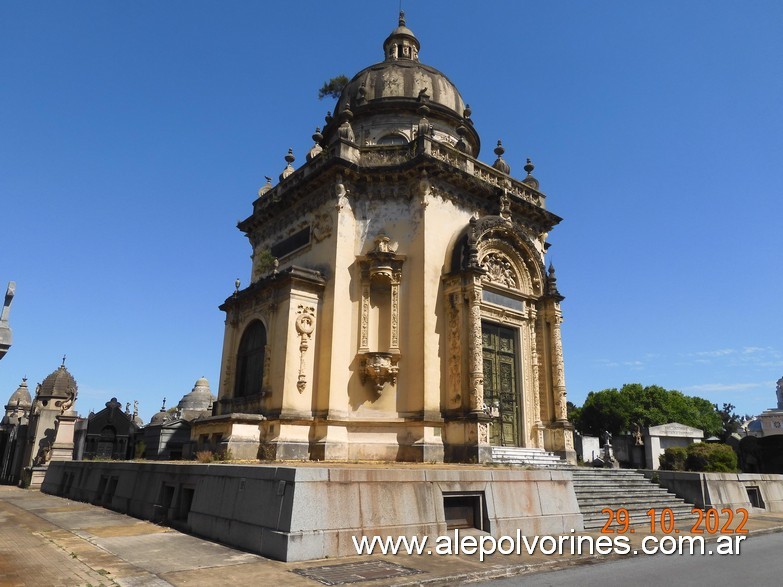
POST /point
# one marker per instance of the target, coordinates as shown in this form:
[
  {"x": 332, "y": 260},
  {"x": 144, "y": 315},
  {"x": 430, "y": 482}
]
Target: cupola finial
[
  {"x": 289, "y": 169},
  {"x": 316, "y": 149},
  {"x": 530, "y": 180},
  {"x": 500, "y": 164}
]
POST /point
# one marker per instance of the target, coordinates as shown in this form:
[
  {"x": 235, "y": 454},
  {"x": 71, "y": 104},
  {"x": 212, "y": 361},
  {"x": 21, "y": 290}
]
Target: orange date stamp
[{"x": 709, "y": 521}]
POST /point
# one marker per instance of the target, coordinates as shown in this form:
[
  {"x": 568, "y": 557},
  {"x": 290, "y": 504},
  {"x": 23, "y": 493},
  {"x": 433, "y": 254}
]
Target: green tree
[
  {"x": 333, "y": 87},
  {"x": 602, "y": 411},
  {"x": 730, "y": 419},
  {"x": 618, "y": 411},
  {"x": 700, "y": 456}
]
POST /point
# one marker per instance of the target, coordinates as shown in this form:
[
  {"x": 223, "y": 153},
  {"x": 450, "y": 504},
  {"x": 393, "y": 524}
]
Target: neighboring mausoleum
[
  {"x": 38, "y": 430},
  {"x": 761, "y": 450},
  {"x": 111, "y": 431},
  {"x": 167, "y": 436},
  {"x": 13, "y": 431}
]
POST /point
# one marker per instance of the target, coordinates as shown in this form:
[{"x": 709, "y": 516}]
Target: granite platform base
[{"x": 295, "y": 513}]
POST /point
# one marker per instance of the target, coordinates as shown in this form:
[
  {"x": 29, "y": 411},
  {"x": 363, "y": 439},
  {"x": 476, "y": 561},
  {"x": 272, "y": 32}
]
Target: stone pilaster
[
  {"x": 538, "y": 427},
  {"x": 558, "y": 369},
  {"x": 475, "y": 350}
]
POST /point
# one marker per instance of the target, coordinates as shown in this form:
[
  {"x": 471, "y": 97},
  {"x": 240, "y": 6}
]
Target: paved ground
[{"x": 50, "y": 541}]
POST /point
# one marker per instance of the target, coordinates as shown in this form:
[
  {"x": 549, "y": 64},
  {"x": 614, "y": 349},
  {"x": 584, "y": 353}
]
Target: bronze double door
[{"x": 501, "y": 388}]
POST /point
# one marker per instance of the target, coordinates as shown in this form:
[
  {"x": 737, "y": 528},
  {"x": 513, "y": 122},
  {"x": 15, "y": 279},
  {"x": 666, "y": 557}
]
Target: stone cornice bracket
[
  {"x": 383, "y": 263},
  {"x": 379, "y": 368},
  {"x": 423, "y": 189},
  {"x": 472, "y": 256},
  {"x": 340, "y": 193},
  {"x": 505, "y": 206}
]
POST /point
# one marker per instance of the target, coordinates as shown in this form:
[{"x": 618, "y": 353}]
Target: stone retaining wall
[
  {"x": 723, "y": 490},
  {"x": 294, "y": 513}
]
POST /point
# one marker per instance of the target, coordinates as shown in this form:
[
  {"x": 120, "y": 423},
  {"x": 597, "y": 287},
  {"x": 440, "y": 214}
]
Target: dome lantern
[{"x": 402, "y": 43}]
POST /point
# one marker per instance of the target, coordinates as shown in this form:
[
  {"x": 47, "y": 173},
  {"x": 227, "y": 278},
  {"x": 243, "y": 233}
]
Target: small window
[
  {"x": 393, "y": 139},
  {"x": 293, "y": 243}
]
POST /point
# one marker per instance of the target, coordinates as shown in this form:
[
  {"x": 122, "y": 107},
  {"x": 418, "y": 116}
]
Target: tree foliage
[
  {"x": 732, "y": 422},
  {"x": 619, "y": 411},
  {"x": 700, "y": 456},
  {"x": 333, "y": 87}
]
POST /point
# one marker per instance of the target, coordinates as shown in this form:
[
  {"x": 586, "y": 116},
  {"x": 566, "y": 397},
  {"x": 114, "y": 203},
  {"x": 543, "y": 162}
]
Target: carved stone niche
[{"x": 379, "y": 337}]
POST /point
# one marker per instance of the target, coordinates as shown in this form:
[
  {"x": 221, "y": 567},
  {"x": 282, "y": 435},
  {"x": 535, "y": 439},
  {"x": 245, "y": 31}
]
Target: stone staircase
[
  {"x": 516, "y": 455},
  {"x": 597, "y": 489}
]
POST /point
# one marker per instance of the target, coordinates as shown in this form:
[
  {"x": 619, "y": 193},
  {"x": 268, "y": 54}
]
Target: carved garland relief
[
  {"x": 305, "y": 324},
  {"x": 364, "y": 342},
  {"x": 483, "y": 433},
  {"x": 395, "y": 315},
  {"x": 455, "y": 348}
]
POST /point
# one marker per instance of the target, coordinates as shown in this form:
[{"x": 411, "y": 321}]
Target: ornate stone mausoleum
[
  {"x": 39, "y": 429},
  {"x": 399, "y": 306}
]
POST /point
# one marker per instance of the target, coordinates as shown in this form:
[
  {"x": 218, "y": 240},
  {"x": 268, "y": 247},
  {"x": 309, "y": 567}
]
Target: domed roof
[
  {"x": 160, "y": 418},
  {"x": 57, "y": 383},
  {"x": 403, "y": 78},
  {"x": 200, "y": 398},
  {"x": 402, "y": 84},
  {"x": 21, "y": 396}
]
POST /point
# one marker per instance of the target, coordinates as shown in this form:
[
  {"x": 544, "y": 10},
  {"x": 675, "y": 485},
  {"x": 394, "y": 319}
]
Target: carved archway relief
[
  {"x": 504, "y": 266},
  {"x": 512, "y": 246},
  {"x": 472, "y": 244}
]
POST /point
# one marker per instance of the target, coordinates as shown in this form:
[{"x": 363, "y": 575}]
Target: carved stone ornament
[
  {"x": 43, "y": 456},
  {"x": 379, "y": 369},
  {"x": 499, "y": 270},
  {"x": 568, "y": 439},
  {"x": 322, "y": 227},
  {"x": 67, "y": 404},
  {"x": 483, "y": 433},
  {"x": 305, "y": 325},
  {"x": 424, "y": 188},
  {"x": 340, "y": 193},
  {"x": 455, "y": 347}
]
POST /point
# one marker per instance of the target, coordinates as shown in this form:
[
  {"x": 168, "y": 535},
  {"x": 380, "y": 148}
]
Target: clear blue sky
[{"x": 134, "y": 135}]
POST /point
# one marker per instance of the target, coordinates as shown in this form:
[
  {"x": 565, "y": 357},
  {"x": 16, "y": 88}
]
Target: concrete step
[
  {"x": 597, "y": 489},
  {"x": 613, "y": 486},
  {"x": 512, "y": 455},
  {"x": 652, "y": 499}
]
